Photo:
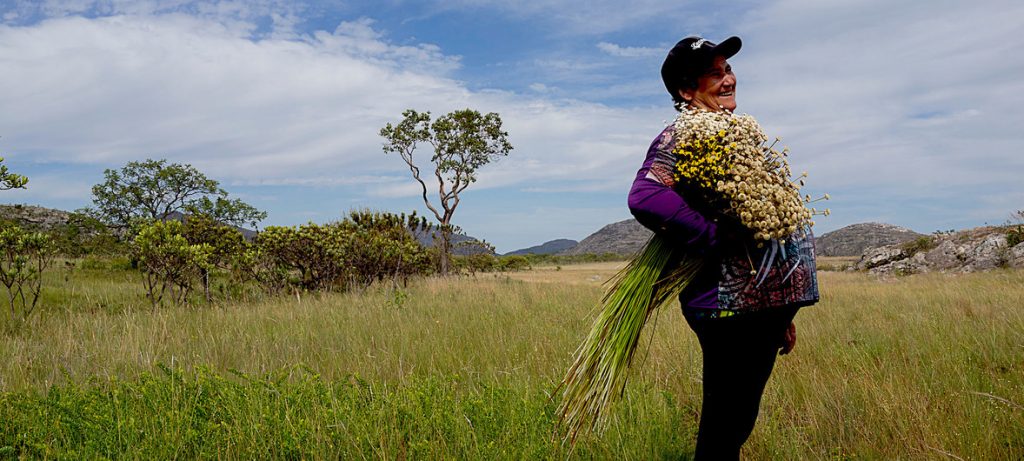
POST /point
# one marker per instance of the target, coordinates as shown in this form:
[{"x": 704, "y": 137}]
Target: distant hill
[
  {"x": 626, "y": 237},
  {"x": 621, "y": 238},
  {"x": 852, "y": 240},
  {"x": 462, "y": 245},
  {"x": 35, "y": 217},
  {"x": 547, "y": 248}
]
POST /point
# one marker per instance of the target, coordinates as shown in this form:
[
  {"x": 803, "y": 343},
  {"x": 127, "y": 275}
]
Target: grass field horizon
[{"x": 921, "y": 367}]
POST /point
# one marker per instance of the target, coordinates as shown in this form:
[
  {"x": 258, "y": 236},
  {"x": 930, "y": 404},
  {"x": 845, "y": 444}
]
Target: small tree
[
  {"x": 462, "y": 141},
  {"x": 169, "y": 263},
  {"x": 24, "y": 256},
  {"x": 225, "y": 242},
  {"x": 153, "y": 190}
]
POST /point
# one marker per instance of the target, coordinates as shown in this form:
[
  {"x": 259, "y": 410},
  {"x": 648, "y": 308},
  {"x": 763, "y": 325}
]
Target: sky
[{"x": 903, "y": 112}]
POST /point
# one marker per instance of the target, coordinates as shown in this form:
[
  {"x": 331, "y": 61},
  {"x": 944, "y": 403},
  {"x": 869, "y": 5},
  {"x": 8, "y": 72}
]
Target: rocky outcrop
[
  {"x": 880, "y": 256},
  {"x": 622, "y": 238},
  {"x": 973, "y": 250},
  {"x": 34, "y": 217},
  {"x": 854, "y": 239}
]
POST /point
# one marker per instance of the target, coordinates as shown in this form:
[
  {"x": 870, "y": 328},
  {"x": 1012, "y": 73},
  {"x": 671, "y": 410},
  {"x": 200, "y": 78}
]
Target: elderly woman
[{"x": 741, "y": 326}]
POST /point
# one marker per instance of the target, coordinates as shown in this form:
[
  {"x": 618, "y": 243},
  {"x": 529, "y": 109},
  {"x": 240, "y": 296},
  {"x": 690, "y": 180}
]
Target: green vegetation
[
  {"x": 919, "y": 245},
  {"x": 153, "y": 190},
  {"x": 24, "y": 256},
  {"x": 1015, "y": 234},
  {"x": 908, "y": 368},
  {"x": 556, "y": 260},
  {"x": 10, "y": 180}
]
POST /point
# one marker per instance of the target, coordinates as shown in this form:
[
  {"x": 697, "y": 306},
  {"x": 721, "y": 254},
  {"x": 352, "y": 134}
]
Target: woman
[{"x": 740, "y": 325}]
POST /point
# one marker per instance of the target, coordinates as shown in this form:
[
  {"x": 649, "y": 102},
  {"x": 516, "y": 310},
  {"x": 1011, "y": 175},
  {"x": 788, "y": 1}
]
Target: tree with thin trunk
[{"x": 462, "y": 142}]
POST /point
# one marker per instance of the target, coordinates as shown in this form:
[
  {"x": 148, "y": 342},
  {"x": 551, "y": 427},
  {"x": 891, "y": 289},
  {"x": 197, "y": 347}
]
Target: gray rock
[
  {"x": 1016, "y": 256},
  {"x": 946, "y": 255},
  {"x": 913, "y": 265},
  {"x": 989, "y": 253},
  {"x": 880, "y": 256}
]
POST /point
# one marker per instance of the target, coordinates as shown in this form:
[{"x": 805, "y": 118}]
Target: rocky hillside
[
  {"x": 621, "y": 238},
  {"x": 547, "y": 248},
  {"x": 971, "y": 250},
  {"x": 35, "y": 217},
  {"x": 852, "y": 240}
]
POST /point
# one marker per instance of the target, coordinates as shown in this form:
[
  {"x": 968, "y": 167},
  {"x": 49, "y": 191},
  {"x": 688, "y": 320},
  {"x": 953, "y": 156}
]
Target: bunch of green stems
[{"x": 597, "y": 377}]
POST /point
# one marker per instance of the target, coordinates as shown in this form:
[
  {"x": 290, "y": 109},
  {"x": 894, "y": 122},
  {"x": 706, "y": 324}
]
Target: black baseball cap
[{"x": 690, "y": 58}]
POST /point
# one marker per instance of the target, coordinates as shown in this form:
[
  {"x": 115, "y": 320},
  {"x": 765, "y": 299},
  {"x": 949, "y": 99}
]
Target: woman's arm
[{"x": 657, "y": 206}]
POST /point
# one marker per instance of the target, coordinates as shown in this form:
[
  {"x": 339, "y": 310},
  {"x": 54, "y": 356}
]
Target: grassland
[{"x": 921, "y": 367}]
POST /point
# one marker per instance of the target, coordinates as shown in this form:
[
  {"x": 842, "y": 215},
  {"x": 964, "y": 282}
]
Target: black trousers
[{"x": 739, "y": 354}]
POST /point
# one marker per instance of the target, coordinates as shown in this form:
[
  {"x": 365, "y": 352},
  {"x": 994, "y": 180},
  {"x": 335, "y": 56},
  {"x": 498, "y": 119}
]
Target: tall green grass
[{"x": 921, "y": 367}]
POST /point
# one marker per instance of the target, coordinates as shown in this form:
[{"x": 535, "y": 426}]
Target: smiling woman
[{"x": 741, "y": 325}]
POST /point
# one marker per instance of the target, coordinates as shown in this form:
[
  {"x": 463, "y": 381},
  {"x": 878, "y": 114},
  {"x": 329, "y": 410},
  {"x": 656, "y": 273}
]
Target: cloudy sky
[{"x": 905, "y": 112}]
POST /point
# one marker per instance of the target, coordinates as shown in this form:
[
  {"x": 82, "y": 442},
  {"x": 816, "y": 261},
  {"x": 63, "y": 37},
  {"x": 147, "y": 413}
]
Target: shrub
[
  {"x": 224, "y": 242},
  {"x": 364, "y": 248},
  {"x": 514, "y": 263},
  {"x": 1015, "y": 236},
  {"x": 918, "y": 245},
  {"x": 25, "y": 255},
  {"x": 480, "y": 262},
  {"x": 171, "y": 264}
]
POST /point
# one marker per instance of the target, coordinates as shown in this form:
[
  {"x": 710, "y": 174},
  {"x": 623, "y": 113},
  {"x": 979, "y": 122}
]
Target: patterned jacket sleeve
[{"x": 657, "y": 206}]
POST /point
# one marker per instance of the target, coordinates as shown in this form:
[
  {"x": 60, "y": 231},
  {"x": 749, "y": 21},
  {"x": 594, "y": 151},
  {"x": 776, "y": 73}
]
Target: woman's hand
[{"x": 789, "y": 339}]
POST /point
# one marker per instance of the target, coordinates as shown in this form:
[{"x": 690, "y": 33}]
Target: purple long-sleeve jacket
[
  {"x": 738, "y": 275},
  {"x": 657, "y": 206}
]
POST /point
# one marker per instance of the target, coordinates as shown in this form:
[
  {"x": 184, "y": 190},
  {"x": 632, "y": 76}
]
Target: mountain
[
  {"x": 462, "y": 245},
  {"x": 621, "y": 238},
  {"x": 852, "y": 240},
  {"x": 547, "y": 248}
]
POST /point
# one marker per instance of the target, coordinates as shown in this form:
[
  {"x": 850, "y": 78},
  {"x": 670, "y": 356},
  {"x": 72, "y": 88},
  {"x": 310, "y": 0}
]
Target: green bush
[
  {"x": 24, "y": 255},
  {"x": 514, "y": 263},
  {"x": 170, "y": 263},
  {"x": 1015, "y": 236},
  {"x": 918, "y": 245},
  {"x": 364, "y": 248}
]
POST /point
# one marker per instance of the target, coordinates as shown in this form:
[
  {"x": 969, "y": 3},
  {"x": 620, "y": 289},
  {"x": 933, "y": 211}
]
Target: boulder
[
  {"x": 880, "y": 256},
  {"x": 946, "y": 255},
  {"x": 916, "y": 264},
  {"x": 989, "y": 253},
  {"x": 1016, "y": 256}
]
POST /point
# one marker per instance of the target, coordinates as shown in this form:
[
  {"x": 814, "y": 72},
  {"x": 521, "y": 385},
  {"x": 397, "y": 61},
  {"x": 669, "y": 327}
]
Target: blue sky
[{"x": 906, "y": 113}]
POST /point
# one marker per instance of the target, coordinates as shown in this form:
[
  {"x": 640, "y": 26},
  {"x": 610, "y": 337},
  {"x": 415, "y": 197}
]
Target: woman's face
[{"x": 716, "y": 90}]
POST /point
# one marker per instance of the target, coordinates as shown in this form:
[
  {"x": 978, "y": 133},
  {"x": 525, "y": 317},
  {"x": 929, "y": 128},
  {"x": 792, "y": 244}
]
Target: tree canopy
[{"x": 155, "y": 189}]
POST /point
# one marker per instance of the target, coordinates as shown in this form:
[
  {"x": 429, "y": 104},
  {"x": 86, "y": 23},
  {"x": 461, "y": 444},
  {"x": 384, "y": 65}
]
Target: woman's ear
[{"x": 687, "y": 95}]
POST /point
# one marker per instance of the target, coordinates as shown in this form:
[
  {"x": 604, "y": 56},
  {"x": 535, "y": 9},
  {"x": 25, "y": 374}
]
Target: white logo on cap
[{"x": 699, "y": 43}]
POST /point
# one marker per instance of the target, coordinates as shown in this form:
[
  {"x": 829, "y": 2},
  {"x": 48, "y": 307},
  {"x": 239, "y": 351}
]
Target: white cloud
[
  {"x": 629, "y": 51},
  {"x": 277, "y": 111},
  {"x": 893, "y": 105}
]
